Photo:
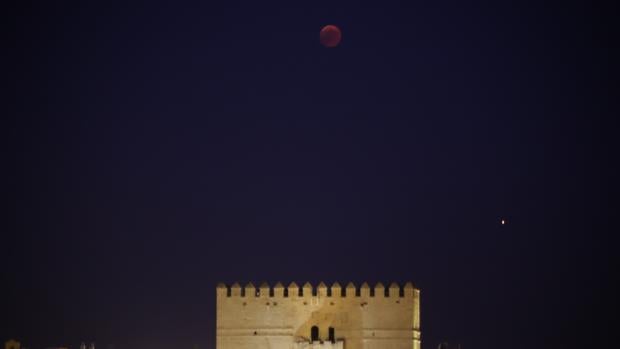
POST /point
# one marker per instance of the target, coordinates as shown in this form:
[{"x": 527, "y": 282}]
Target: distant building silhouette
[
  {"x": 12, "y": 344},
  {"x": 446, "y": 345},
  {"x": 91, "y": 346}
]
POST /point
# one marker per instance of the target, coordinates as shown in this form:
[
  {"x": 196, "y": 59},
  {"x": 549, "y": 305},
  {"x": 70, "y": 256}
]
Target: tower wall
[{"x": 279, "y": 318}]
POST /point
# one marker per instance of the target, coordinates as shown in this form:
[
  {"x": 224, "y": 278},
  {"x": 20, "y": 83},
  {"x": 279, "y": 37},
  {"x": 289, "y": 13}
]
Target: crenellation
[
  {"x": 293, "y": 290},
  {"x": 307, "y": 290},
  {"x": 235, "y": 290},
  {"x": 351, "y": 290},
  {"x": 408, "y": 290},
  {"x": 264, "y": 291},
  {"x": 249, "y": 291},
  {"x": 379, "y": 290},
  {"x": 335, "y": 290},
  {"x": 394, "y": 290},
  {"x": 278, "y": 290},
  {"x": 221, "y": 290},
  {"x": 365, "y": 290}
]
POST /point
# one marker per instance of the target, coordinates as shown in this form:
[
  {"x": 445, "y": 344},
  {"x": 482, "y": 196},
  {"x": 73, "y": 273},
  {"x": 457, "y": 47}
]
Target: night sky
[{"x": 153, "y": 149}]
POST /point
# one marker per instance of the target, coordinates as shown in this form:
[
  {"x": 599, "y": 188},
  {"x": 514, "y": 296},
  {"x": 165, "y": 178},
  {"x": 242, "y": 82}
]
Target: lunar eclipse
[
  {"x": 158, "y": 148},
  {"x": 330, "y": 36}
]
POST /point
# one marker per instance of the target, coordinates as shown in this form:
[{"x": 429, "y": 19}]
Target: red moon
[{"x": 330, "y": 36}]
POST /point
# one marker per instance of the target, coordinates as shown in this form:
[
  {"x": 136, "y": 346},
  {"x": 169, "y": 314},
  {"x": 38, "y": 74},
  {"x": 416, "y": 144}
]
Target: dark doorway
[
  {"x": 314, "y": 333},
  {"x": 332, "y": 335}
]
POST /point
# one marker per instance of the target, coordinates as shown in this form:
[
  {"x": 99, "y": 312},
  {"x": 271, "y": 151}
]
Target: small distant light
[{"x": 503, "y": 221}]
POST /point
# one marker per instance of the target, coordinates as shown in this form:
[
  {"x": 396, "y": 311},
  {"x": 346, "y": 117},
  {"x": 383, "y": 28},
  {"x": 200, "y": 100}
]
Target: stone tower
[{"x": 321, "y": 317}]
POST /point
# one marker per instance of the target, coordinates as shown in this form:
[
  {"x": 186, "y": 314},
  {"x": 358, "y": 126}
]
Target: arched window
[
  {"x": 314, "y": 333},
  {"x": 332, "y": 335}
]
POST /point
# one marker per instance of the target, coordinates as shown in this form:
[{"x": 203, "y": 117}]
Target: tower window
[
  {"x": 314, "y": 333},
  {"x": 332, "y": 335}
]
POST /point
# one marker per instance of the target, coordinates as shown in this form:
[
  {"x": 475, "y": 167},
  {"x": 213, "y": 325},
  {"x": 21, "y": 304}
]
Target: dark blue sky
[{"x": 154, "y": 149}]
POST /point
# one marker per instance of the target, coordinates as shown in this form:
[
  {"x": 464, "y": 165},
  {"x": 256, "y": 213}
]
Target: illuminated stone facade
[{"x": 294, "y": 318}]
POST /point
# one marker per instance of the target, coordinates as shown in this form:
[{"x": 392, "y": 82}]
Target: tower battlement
[
  {"x": 321, "y": 290},
  {"x": 276, "y": 316}
]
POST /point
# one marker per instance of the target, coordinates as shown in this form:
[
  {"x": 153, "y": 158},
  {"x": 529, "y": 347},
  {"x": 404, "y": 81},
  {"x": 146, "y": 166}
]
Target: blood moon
[{"x": 330, "y": 36}]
